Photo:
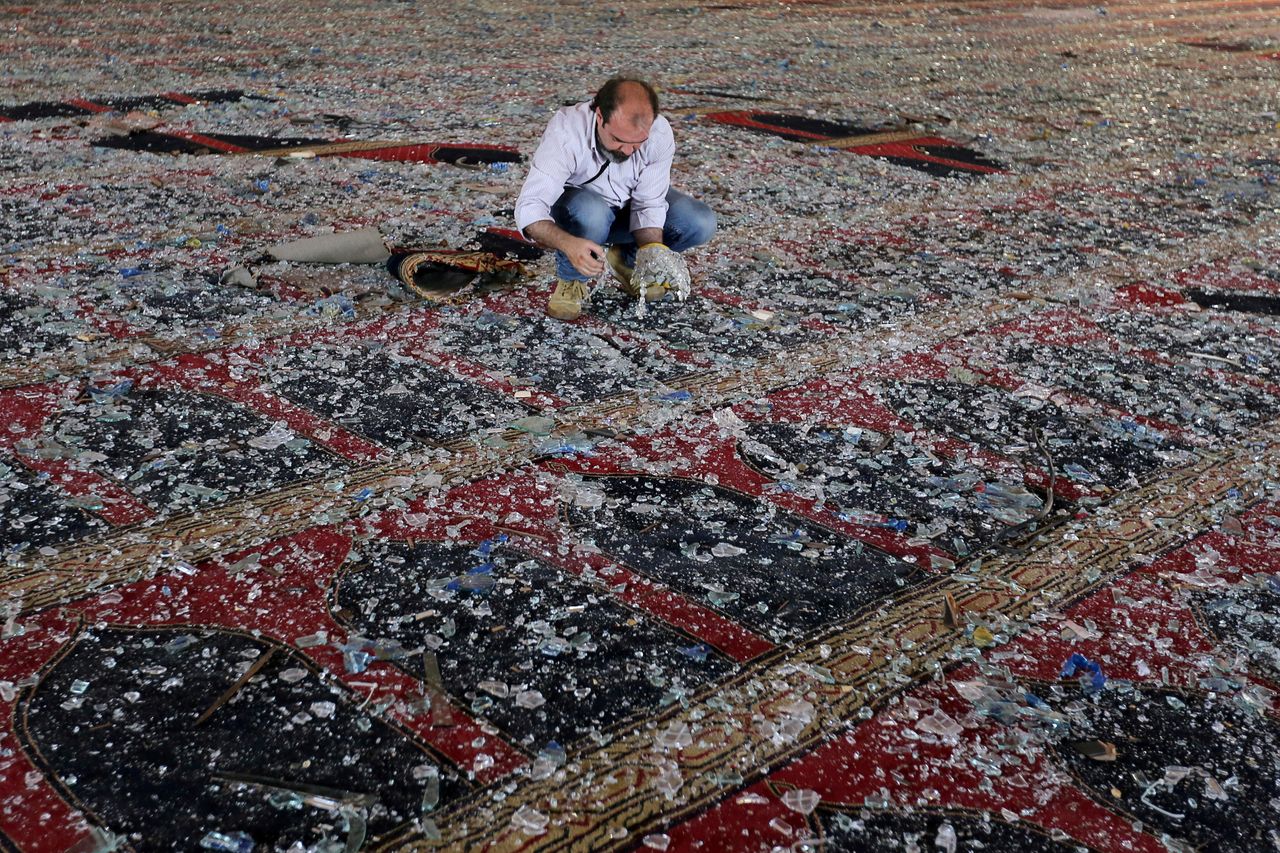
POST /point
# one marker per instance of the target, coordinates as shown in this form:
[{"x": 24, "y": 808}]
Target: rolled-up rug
[
  {"x": 362, "y": 246},
  {"x": 440, "y": 273}
]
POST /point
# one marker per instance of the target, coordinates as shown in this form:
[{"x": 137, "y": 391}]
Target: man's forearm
[
  {"x": 546, "y": 233},
  {"x": 644, "y": 236}
]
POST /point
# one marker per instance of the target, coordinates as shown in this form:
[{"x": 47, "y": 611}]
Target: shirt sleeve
[
  {"x": 549, "y": 170},
  {"x": 649, "y": 199}
]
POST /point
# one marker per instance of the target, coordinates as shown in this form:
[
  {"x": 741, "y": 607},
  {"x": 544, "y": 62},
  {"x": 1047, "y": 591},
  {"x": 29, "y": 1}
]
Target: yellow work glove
[{"x": 658, "y": 266}]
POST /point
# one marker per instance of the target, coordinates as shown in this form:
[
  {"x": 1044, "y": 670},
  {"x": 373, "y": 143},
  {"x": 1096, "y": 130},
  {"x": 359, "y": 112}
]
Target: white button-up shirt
[{"x": 568, "y": 156}]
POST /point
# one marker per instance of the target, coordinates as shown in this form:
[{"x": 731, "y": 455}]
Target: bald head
[
  {"x": 635, "y": 99},
  {"x": 634, "y": 109}
]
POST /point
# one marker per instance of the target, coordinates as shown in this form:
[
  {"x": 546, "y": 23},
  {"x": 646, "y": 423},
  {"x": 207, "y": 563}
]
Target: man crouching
[{"x": 602, "y": 177}]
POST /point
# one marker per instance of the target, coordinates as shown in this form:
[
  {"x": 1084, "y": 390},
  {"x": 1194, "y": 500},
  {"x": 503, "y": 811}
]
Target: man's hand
[
  {"x": 586, "y": 257},
  {"x": 658, "y": 266}
]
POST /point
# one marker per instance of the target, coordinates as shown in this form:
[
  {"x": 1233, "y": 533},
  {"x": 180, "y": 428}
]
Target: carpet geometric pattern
[{"x": 944, "y": 515}]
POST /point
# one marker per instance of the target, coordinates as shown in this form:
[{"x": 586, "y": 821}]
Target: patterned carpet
[{"x": 945, "y": 515}]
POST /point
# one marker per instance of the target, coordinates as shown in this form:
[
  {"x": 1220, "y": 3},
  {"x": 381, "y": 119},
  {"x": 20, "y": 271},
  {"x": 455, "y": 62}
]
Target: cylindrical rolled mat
[{"x": 363, "y": 246}]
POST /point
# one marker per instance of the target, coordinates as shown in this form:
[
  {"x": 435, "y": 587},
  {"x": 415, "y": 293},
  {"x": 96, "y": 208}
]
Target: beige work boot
[
  {"x": 622, "y": 273},
  {"x": 566, "y": 301}
]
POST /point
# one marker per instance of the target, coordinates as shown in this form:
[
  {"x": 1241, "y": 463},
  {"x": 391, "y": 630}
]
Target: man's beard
[{"x": 613, "y": 156}]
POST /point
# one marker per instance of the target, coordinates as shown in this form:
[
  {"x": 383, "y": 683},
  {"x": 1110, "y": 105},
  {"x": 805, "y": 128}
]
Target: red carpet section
[{"x": 943, "y": 516}]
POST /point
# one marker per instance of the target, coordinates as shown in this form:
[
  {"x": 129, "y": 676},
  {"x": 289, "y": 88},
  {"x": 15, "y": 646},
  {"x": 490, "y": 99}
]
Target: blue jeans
[{"x": 586, "y": 214}]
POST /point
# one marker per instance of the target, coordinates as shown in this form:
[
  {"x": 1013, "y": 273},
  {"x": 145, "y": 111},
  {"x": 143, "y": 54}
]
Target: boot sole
[{"x": 564, "y": 313}]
